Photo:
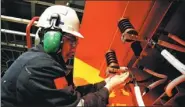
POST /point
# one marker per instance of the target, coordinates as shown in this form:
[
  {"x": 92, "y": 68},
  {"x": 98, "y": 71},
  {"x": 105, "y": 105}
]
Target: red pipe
[{"x": 28, "y": 28}]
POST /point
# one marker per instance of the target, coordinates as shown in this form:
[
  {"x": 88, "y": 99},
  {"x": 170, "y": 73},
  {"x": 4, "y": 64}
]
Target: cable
[
  {"x": 173, "y": 61},
  {"x": 154, "y": 73},
  {"x": 137, "y": 92},
  {"x": 156, "y": 83},
  {"x": 177, "y": 39},
  {"x": 173, "y": 84},
  {"x": 170, "y": 58}
]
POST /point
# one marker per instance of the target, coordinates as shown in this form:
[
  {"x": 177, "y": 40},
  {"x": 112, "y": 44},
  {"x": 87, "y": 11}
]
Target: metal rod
[
  {"x": 19, "y": 53},
  {"x": 6, "y": 38},
  {"x": 13, "y": 55},
  {"x": 32, "y": 9},
  {"x": 39, "y": 2},
  {"x": 6, "y": 54},
  {"x": 3, "y": 58},
  {"x": 16, "y": 20},
  {"x": 13, "y": 45},
  {"x": 6, "y": 49},
  {"x": 14, "y": 38},
  {"x": 15, "y": 32},
  {"x": 3, "y": 65}
]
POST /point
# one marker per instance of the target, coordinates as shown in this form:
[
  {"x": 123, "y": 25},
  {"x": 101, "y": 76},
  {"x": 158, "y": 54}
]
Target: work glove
[{"x": 114, "y": 81}]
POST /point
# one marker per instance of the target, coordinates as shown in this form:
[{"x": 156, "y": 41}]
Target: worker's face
[{"x": 69, "y": 46}]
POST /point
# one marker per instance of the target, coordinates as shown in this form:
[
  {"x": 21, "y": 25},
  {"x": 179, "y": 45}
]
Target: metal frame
[
  {"x": 15, "y": 32},
  {"x": 16, "y": 20},
  {"x": 157, "y": 13},
  {"x": 51, "y": 4}
]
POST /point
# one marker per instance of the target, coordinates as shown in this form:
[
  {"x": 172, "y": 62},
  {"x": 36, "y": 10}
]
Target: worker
[{"x": 39, "y": 77}]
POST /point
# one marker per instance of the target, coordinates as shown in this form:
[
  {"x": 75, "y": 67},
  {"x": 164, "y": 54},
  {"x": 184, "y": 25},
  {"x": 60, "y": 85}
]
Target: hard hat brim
[{"x": 77, "y": 34}]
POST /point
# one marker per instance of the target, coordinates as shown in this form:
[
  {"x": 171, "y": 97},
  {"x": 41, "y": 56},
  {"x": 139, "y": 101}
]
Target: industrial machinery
[{"x": 146, "y": 38}]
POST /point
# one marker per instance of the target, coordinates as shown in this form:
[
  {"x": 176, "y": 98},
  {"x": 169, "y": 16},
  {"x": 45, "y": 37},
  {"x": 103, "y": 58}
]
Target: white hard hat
[{"x": 69, "y": 21}]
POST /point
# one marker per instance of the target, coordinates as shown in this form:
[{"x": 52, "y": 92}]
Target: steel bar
[
  {"x": 16, "y": 20},
  {"x": 40, "y": 2},
  {"x": 15, "y": 32},
  {"x": 13, "y": 45}
]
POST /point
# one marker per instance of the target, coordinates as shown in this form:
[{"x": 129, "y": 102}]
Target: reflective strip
[{"x": 81, "y": 103}]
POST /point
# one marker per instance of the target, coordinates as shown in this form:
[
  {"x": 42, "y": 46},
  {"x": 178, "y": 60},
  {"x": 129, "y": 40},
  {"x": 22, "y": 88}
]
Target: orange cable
[{"x": 177, "y": 39}]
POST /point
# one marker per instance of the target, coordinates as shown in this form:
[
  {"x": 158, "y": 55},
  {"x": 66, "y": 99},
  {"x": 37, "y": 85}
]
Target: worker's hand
[{"x": 114, "y": 81}]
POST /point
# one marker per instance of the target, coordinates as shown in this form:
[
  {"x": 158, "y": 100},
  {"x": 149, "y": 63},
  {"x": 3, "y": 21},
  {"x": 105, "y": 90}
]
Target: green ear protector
[
  {"x": 52, "y": 41},
  {"x": 53, "y": 37}
]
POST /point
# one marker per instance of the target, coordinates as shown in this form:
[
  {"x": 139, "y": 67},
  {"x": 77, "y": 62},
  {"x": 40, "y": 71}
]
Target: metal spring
[
  {"x": 125, "y": 24},
  {"x": 111, "y": 59}
]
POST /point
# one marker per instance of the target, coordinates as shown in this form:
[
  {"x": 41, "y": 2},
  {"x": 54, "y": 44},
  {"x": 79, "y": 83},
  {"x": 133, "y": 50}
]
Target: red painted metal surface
[{"x": 99, "y": 27}]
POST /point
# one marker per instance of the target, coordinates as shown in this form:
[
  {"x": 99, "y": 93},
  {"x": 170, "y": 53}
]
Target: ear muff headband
[{"x": 52, "y": 41}]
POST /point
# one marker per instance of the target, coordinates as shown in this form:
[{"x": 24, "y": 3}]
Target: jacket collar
[{"x": 58, "y": 58}]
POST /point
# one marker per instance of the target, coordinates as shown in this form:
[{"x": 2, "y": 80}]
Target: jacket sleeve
[
  {"x": 40, "y": 87},
  {"x": 97, "y": 99},
  {"x": 90, "y": 88}
]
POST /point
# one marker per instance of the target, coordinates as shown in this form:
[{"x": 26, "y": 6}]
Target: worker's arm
[
  {"x": 89, "y": 88},
  {"x": 101, "y": 96},
  {"x": 41, "y": 87},
  {"x": 96, "y": 99}
]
